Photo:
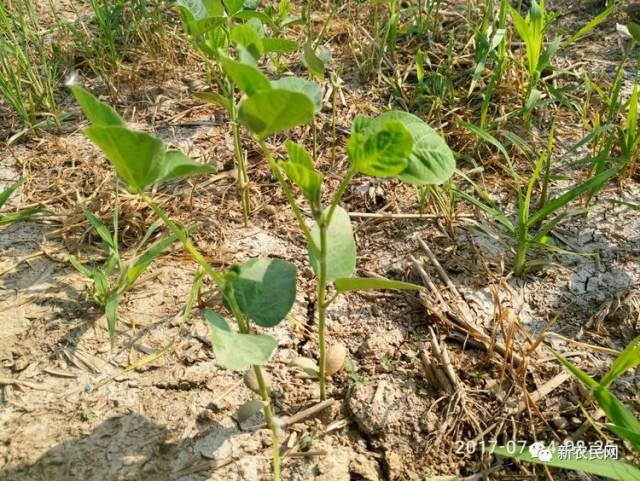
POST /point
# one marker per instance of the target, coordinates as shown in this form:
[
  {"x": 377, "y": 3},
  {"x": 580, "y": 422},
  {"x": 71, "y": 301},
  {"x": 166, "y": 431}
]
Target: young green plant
[
  {"x": 261, "y": 290},
  {"x": 531, "y": 30},
  {"x": 395, "y": 144},
  {"x": 216, "y": 26},
  {"x": 111, "y": 280},
  {"x": 622, "y": 422},
  {"x": 531, "y": 229},
  {"x": 22, "y": 214}
]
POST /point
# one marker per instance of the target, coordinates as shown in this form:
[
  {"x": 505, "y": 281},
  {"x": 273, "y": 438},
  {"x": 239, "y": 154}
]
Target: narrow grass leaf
[
  {"x": 609, "y": 468},
  {"x": 369, "y": 283},
  {"x": 562, "y": 200},
  {"x": 628, "y": 359}
]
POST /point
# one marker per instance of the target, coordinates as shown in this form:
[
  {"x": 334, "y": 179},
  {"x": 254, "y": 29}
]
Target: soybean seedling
[
  {"x": 260, "y": 290},
  {"x": 393, "y": 144},
  {"x": 622, "y": 422},
  {"x": 531, "y": 229},
  {"x": 215, "y": 27}
]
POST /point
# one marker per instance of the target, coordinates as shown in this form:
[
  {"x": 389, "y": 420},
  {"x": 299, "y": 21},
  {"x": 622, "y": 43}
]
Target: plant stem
[
  {"x": 242, "y": 177},
  {"x": 290, "y": 199},
  {"x": 217, "y": 277},
  {"x": 322, "y": 307},
  {"x": 521, "y": 252},
  {"x": 243, "y": 325},
  {"x": 244, "y": 328}
]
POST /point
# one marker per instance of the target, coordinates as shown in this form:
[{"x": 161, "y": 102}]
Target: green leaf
[
  {"x": 279, "y": 45},
  {"x": 313, "y": 62},
  {"x": 215, "y": 98},
  {"x": 634, "y": 30},
  {"x": 99, "y": 113},
  {"x": 196, "y": 8},
  {"x": 136, "y": 156},
  {"x": 577, "y": 372},
  {"x": 265, "y": 289},
  {"x": 236, "y": 351},
  {"x": 272, "y": 111},
  {"x": 8, "y": 192},
  {"x": 617, "y": 412},
  {"x": 431, "y": 160},
  {"x": 303, "y": 86},
  {"x": 79, "y": 267},
  {"x": 233, "y": 6},
  {"x": 299, "y": 155},
  {"x": 341, "y": 246},
  {"x": 177, "y": 164},
  {"x": 99, "y": 227},
  {"x": 382, "y": 153},
  {"x": 632, "y": 436},
  {"x": 143, "y": 261},
  {"x": 199, "y": 27},
  {"x": 562, "y": 200},
  {"x": 111, "y": 313},
  {"x": 246, "y": 77},
  {"x": 368, "y": 283},
  {"x": 628, "y": 359},
  {"x": 308, "y": 180},
  {"x": 609, "y": 468},
  {"x": 246, "y": 36}
]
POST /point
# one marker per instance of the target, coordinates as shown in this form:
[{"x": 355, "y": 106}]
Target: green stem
[
  {"x": 242, "y": 177},
  {"x": 340, "y": 192},
  {"x": 244, "y": 327},
  {"x": 289, "y": 195},
  {"x": 521, "y": 252},
  {"x": 176, "y": 230},
  {"x": 322, "y": 308}
]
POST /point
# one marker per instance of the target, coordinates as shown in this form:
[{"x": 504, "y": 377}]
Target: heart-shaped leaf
[
  {"x": 136, "y": 156},
  {"x": 236, "y": 351},
  {"x": 383, "y": 152},
  {"x": 177, "y": 164},
  {"x": 98, "y": 113},
  {"x": 341, "y": 246},
  {"x": 272, "y": 111},
  {"x": 246, "y": 36},
  {"x": 431, "y": 160},
  {"x": 265, "y": 289},
  {"x": 297, "y": 84},
  {"x": 246, "y": 77}
]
